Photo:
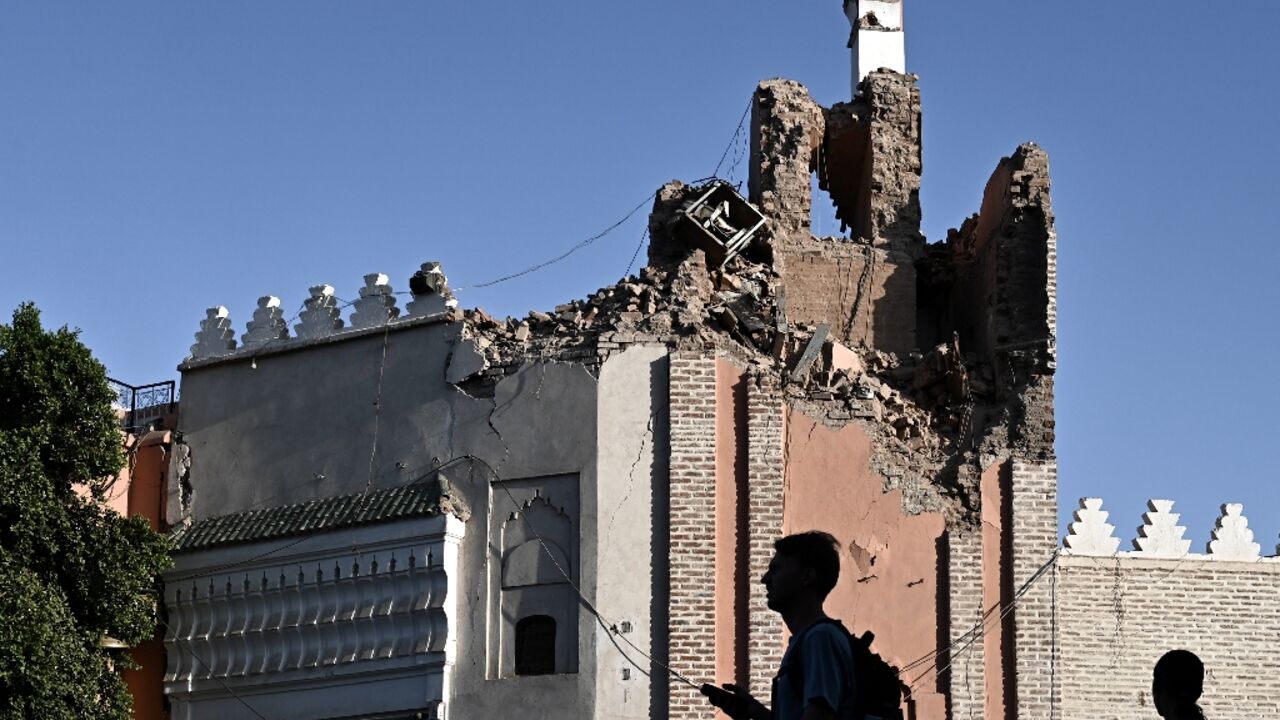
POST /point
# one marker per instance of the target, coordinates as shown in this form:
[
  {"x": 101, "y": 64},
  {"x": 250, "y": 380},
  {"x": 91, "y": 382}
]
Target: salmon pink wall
[
  {"x": 731, "y": 518},
  {"x": 996, "y": 580},
  {"x": 889, "y": 560}
]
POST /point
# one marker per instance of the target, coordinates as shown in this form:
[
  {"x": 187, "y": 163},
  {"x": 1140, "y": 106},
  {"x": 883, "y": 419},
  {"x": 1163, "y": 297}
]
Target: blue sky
[{"x": 157, "y": 158}]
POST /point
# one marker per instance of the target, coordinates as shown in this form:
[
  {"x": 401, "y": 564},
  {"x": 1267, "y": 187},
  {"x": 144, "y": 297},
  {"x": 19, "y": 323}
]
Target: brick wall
[
  {"x": 1034, "y": 539},
  {"x": 830, "y": 282},
  {"x": 692, "y": 529},
  {"x": 963, "y": 679},
  {"x": 1118, "y": 615},
  {"x": 893, "y": 111},
  {"x": 786, "y": 134},
  {"x": 765, "y": 429}
]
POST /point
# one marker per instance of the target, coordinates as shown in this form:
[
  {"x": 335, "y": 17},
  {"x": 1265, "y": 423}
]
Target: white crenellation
[
  {"x": 431, "y": 293},
  {"x": 377, "y": 303},
  {"x": 1161, "y": 535},
  {"x": 1232, "y": 538},
  {"x": 320, "y": 316},
  {"x": 1091, "y": 534},
  {"x": 267, "y": 325},
  {"x": 215, "y": 336}
]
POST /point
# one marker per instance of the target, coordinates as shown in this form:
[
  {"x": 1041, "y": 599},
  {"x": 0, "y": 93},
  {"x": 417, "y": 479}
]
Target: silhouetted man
[
  {"x": 816, "y": 680},
  {"x": 1177, "y": 685}
]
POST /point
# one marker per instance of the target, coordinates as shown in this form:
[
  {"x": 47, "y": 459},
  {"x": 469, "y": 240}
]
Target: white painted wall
[
  {"x": 299, "y": 426},
  {"x": 631, "y": 537},
  {"x": 883, "y": 47}
]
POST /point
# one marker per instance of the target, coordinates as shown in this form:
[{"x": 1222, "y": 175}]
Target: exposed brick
[
  {"x": 692, "y": 529},
  {"x": 1117, "y": 616},
  {"x": 765, "y": 429}
]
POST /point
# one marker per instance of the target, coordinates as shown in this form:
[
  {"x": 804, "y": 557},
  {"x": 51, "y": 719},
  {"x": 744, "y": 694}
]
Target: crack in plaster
[{"x": 631, "y": 475}]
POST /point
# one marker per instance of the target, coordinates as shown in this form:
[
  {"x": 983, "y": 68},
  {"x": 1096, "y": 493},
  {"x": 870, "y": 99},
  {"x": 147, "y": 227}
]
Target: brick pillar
[
  {"x": 765, "y": 438},
  {"x": 692, "y": 530},
  {"x": 893, "y": 111},
  {"x": 1035, "y": 537},
  {"x": 786, "y": 133},
  {"x": 964, "y": 681}
]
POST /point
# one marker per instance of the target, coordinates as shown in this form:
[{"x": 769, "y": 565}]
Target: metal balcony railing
[{"x": 144, "y": 405}]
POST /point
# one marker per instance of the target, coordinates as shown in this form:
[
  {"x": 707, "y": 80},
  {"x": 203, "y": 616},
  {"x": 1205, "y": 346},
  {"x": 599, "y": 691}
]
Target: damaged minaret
[{"x": 877, "y": 39}]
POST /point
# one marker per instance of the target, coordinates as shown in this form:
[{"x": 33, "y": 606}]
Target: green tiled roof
[{"x": 417, "y": 499}]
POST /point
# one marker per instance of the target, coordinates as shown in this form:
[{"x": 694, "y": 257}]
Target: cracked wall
[
  {"x": 958, "y": 348},
  {"x": 890, "y": 565},
  {"x": 287, "y": 427}
]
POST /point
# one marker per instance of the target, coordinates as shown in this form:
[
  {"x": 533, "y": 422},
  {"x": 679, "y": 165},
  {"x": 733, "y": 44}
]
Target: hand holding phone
[{"x": 728, "y": 698}]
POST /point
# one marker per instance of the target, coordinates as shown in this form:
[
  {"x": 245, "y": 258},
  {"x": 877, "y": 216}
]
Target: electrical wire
[
  {"x": 977, "y": 631},
  {"x": 611, "y": 629},
  {"x": 648, "y": 198},
  {"x": 733, "y": 141},
  {"x": 643, "y": 236},
  {"x": 218, "y": 680}
]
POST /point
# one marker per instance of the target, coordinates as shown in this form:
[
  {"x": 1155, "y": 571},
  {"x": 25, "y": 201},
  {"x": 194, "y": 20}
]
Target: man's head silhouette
[
  {"x": 804, "y": 569},
  {"x": 1178, "y": 682}
]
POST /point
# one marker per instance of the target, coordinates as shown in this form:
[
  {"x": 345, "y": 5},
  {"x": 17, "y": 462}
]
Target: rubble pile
[
  {"x": 922, "y": 407},
  {"x": 685, "y": 306}
]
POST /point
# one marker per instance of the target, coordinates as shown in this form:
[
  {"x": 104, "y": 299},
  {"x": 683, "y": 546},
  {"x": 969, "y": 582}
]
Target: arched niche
[{"x": 534, "y": 562}]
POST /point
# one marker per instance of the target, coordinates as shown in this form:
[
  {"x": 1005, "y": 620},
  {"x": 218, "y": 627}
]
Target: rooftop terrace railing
[{"x": 144, "y": 405}]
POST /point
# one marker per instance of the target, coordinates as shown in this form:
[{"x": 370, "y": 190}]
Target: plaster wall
[
  {"x": 147, "y": 478},
  {"x": 875, "y": 49},
  {"x": 888, "y": 12},
  {"x": 301, "y": 425},
  {"x": 631, "y": 461},
  {"x": 139, "y": 490},
  {"x": 1117, "y": 616},
  {"x": 542, "y": 427},
  {"x": 730, "y": 524},
  {"x": 890, "y": 563},
  {"x": 295, "y": 426},
  {"x": 997, "y": 588}
]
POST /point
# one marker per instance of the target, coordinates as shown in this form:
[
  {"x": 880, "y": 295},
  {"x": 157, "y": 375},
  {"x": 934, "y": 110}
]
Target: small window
[{"x": 536, "y": 646}]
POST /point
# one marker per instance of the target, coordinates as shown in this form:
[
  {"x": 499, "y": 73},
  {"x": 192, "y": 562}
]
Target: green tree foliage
[{"x": 71, "y": 571}]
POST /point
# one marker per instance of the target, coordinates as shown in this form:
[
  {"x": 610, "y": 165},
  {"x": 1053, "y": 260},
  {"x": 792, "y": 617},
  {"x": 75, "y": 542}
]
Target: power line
[
  {"x": 648, "y": 198},
  {"x": 643, "y": 236},
  {"x": 972, "y": 635},
  {"x": 216, "y": 679},
  {"x": 611, "y": 629},
  {"x": 734, "y": 140}
]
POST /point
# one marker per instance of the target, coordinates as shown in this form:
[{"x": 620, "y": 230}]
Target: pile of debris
[
  {"x": 685, "y": 306},
  {"x": 924, "y": 406}
]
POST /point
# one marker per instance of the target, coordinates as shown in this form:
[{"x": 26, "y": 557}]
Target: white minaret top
[{"x": 877, "y": 40}]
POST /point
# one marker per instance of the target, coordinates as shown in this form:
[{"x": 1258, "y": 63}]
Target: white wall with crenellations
[{"x": 1118, "y": 611}]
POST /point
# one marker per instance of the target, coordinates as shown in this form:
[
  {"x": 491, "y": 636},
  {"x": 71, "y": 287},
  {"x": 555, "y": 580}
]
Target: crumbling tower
[{"x": 979, "y": 307}]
